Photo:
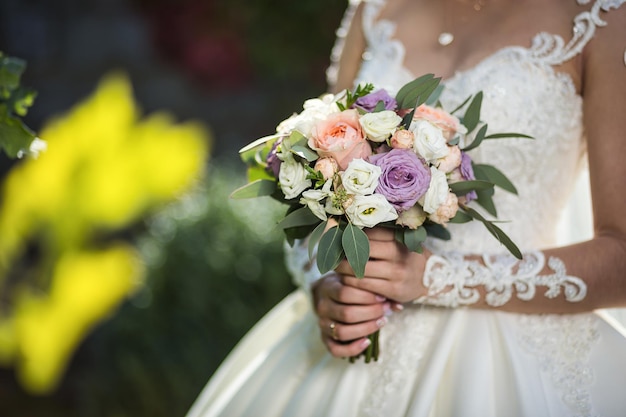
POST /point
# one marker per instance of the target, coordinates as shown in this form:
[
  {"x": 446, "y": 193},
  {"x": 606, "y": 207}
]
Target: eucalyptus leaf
[
  {"x": 464, "y": 187},
  {"x": 461, "y": 217},
  {"x": 356, "y": 247},
  {"x": 433, "y": 99},
  {"x": 330, "y": 251},
  {"x": 300, "y": 217},
  {"x": 413, "y": 238},
  {"x": 417, "y": 91},
  {"x": 437, "y": 230},
  {"x": 485, "y": 199},
  {"x": 472, "y": 115},
  {"x": 496, "y": 232},
  {"x": 480, "y": 135},
  {"x": 461, "y": 105},
  {"x": 495, "y": 176},
  {"x": 304, "y": 152},
  {"x": 508, "y": 135},
  {"x": 258, "y": 142},
  {"x": 254, "y": 189},
  {"x": 315, "y": 236}
]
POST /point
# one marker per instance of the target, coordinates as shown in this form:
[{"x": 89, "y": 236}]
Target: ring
[{"x": 333, "y": 330}]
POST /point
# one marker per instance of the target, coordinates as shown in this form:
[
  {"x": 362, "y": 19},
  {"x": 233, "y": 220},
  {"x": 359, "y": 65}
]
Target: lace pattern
[
  {"x": 453, "y": 281},
  {"x": 562, "y": 345}
]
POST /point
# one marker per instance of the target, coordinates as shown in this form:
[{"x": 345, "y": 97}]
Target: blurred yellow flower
[{"x": 103, "y": 170}]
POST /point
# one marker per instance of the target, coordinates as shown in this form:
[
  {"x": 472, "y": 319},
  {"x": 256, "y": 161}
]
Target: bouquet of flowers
[{"x": 362, "y": 158}]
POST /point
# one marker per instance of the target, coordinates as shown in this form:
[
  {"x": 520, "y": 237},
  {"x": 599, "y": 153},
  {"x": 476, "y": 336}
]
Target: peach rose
[
  {"x": 327, "y": 166},
  {"x": 448, "y": 123},
  {"x": 341, "y": 137},
  {"x": 446, "y": 211},
  {"x": 451, "y": 161},
  {"x": 402, "y": 139}
]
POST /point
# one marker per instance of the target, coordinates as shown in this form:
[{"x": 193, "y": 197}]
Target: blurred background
[{"x": 126, "y": 273}]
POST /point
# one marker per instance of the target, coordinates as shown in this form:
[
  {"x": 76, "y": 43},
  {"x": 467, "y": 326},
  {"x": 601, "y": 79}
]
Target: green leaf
[
  {"x": 258, "y": 172},
  {"x": 22, "y": 99},
  {"x": 461, "y": 217},
  {"x": 259, "y": 142},
  {"x": 380, "y": 106},
  {"x": 433, "y": 100},
  {"x": 417, "y": 91},
  {"x": 496, "y": 232},
  {"x": 464, "y": 187},
  {"x": 485, "y": 199},
  {"x": 480, "y": 135},
  {"x": 300, "y": 217},
  {"x": 492, "y": 174},
  {"x": 258, "y": 188},
  {"x": 472, "y": 115},
  {"x": 315, "y": 236},
  {"x": 356, "y": 246},
  {"x": 304, "y": 152},
  {"x": 437, "y": 230},
  {"x": 413, "y": 238},
  {"x": 508, "y": 135},
  {"x": 461, "y": 105},
  {"x": 11, "y": 70},
  {"x": 14, "y": 136},
  {"x": 330, "y": 250}
]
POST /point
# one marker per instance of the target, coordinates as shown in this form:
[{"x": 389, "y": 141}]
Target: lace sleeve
[{"x": 453, "y": 281}]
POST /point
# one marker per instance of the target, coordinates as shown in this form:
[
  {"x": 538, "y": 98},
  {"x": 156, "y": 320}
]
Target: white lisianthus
[
  {"x": 370, "y": 210},
  {"x": 360, "y": 178},
  {"x": 293, "y": 178},
  {"x": 446, "y": 211},
  {"x": 314, "y": 110},
  {"x": 429, "y": 142},
  {"x": 437, "y": 193},
  {"x": 379, "y": 126},
  {"x": 313, "y": 198}
]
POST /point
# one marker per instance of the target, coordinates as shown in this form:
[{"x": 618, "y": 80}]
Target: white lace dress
[{"x": 455, "y": 361}]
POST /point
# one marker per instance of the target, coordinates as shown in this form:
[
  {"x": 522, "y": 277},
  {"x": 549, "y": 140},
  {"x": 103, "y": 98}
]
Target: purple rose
[
  {"x": 370, "y": 101},
  {"x": 404, "y": 177},
  {"x": 273, "y": 163},
  {"x": 467, "y": 172}
]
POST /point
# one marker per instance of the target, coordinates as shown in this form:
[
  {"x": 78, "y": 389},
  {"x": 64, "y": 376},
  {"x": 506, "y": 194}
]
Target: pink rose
[
  {"x": 341, "y": 137},
  {"x": 327, "y": 166},
  {"x": 402, "y": 139},
  {"x": 448, "y": 123},
  {"x": 446, "y": 211}
]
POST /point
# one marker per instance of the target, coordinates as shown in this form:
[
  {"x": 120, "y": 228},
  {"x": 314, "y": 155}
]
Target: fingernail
[
  {"x": 365, "y": 343},
  {"x": 381, "y": 321},
  {"x": 387, "y": 309},
  {"x": 399, "y": 307},
  {"x": 380, "y": 298}
]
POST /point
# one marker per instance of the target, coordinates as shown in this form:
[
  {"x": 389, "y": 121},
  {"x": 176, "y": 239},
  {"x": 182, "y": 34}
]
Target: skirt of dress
[{"x": 434, "y": 362}]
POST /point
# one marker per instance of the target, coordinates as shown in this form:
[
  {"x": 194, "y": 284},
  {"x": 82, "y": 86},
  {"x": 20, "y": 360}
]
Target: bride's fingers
[
  {"x": 344, "y": 350},
  {"x": 347, "y": 332},
  {"x": 380, "y": 233}
]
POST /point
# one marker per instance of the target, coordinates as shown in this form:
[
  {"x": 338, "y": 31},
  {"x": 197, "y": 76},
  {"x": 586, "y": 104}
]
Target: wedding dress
[{"x": 455, "y": 361}]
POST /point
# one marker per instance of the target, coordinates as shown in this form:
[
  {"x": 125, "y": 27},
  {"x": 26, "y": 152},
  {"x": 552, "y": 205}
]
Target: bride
[{"x": 467, "y": 330}]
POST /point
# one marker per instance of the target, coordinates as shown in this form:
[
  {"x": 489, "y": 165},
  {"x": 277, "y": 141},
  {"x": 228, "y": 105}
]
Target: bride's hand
[
  {"x": 393, "y": 271},
  {"x": 347, "y": 315}
]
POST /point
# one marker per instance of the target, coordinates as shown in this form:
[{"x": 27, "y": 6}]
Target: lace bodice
[{"x": 522, "y": 93}]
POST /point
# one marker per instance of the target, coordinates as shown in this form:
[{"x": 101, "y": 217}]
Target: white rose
[
  {"x": 380, "y": 125},
  {"x": 293, "y": 178},
  {"x": 429, "y": 141},
  {"x": 437, "y": 193},
  {"x": 370, "y": 210},
  {"x": 360, "y": 178},
  {"x": 314, "y": 110}
]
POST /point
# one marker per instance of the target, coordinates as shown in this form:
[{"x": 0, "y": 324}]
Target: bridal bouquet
[{"x": 362, "y": 158}]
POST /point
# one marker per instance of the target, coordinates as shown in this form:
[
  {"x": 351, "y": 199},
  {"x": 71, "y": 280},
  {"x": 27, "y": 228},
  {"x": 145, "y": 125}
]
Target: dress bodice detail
[{"x": 522, "y": 93}]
